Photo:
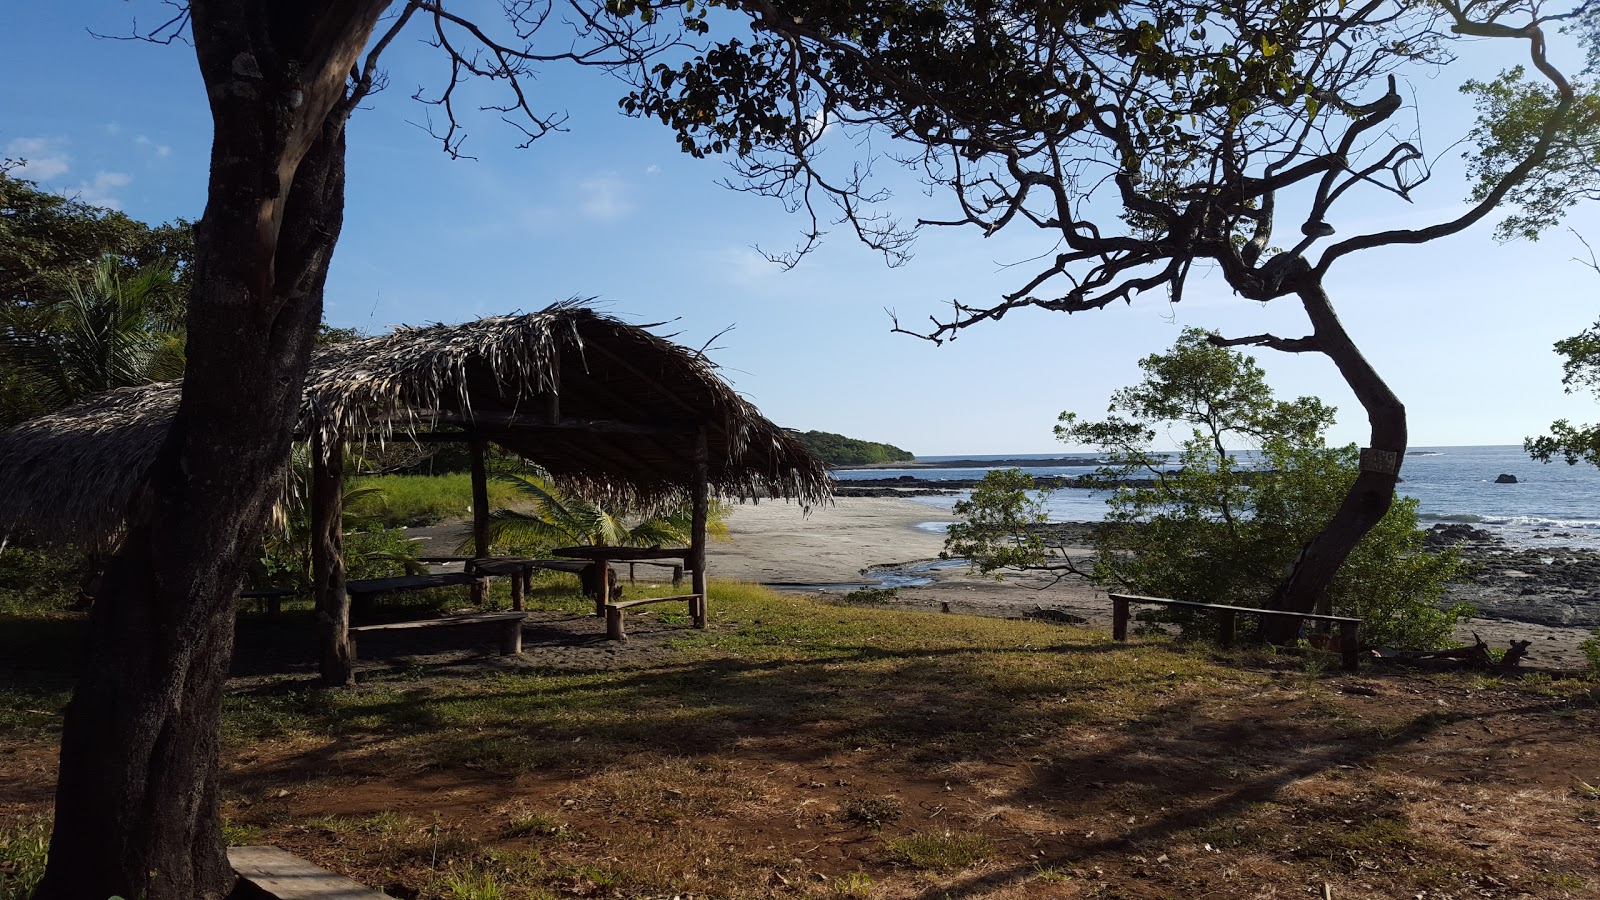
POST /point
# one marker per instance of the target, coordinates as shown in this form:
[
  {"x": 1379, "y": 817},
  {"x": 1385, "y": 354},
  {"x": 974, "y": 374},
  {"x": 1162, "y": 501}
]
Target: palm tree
[
  {"x": 107, "y": 331},
  {"x": 559, "y": 518}
]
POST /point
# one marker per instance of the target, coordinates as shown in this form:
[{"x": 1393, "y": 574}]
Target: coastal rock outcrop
[{"x": 1506, "y": 479}]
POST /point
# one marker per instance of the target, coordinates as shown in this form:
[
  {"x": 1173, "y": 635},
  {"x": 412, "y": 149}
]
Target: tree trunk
[
  {"x": 137, "y": 811},
  {"x": 1372, "y": 493},
  {"x": 327, "y": 561}
]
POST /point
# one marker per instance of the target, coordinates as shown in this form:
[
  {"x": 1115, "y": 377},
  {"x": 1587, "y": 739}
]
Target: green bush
[
  {"x": 1211, "y": 528},
  {"x": 41, "y": 580},
  {"x": 1591, "y": 652}
]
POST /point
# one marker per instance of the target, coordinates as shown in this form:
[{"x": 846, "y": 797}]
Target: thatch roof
[{"x": 629, "y": 404}]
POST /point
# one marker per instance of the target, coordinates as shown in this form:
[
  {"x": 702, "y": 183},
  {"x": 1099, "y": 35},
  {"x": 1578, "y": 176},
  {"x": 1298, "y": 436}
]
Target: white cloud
[
  {"x": 98, "y": 191},
  {"x": 605, "y": 198},
  {"x": 742, "y": 266},
  {"x": 143, "y": 140},
  {"x": 45, "y": 158},
  {"x": 652, "y": 169}
]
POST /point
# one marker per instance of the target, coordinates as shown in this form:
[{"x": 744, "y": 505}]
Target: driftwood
[
  {"x": 1477, "y": 656},
  {"x": 1053, "y": 615}
]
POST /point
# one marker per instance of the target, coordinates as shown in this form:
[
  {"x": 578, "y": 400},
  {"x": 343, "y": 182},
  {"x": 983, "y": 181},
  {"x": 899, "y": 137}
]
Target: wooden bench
[
  {"x": 362, "y": 591},
  {"x": 614, "y": 628},
  {"x": 279, "y": 875},
  {"x": 1349, "y": 629},
  {"x": 271, "y": 598},
  {"x": 510, "y": 628}
]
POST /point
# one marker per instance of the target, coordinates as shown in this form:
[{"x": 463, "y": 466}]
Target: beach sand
[{"x": 842, "y": 543}]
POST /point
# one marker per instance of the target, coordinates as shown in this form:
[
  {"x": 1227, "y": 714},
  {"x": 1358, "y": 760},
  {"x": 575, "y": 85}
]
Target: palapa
[{"x": 609, "y": 408}]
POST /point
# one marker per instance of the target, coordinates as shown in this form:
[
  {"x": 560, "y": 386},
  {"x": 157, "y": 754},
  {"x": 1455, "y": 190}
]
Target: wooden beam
[
  {"x": 697, "y": 539},
  {"x": 327, "y": 562},
  {"x": 280, "y": 875},
  {"x": 480, "y": 515}
]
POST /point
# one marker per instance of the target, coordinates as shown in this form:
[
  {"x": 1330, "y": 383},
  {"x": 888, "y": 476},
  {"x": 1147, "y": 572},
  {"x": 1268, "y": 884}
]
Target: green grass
[
  {"x": 24, "y": 841},
  {"x": 942, "y": 850},
  {"x": 407, "y": 500}
]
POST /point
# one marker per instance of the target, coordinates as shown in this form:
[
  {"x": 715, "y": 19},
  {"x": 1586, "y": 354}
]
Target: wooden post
[
  {"x": 518, "y": 586},
  {"x": 697, "y": 538},
  {"x": 1350, "y": 643},
  {"x": 327, "y": 561},
  {"x": 1225, "y": 625},
  {"x": 480, "y": 515},
  {"x": 511, "y": 638},
  {"x": 1119, "y": 618}
]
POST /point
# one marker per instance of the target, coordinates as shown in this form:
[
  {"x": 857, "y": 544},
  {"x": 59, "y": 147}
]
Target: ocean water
[{"x": 1550, "y": 505}]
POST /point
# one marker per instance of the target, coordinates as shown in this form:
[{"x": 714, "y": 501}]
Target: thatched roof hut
[{"x": 604, "y": 405}]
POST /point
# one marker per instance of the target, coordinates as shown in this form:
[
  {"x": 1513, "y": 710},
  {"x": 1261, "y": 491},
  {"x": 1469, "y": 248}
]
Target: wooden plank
[
  {"x": 445, "y": 622},
  {"x": 408, "y": 582},
  {"x": 1194, "y": 604},
  {"x": 288, "y": 877},
  {"x": 624, "y": 604}
]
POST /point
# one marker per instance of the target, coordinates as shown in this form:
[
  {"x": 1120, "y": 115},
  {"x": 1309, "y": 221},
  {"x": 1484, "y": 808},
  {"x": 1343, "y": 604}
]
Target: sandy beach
[{"x": 845, "y": 542}]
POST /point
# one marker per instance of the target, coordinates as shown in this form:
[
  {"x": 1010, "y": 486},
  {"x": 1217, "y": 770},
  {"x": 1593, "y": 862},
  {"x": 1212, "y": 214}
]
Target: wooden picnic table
[
  {"x": 602, "y": 557},
  {"x": 600, "y": 574},
  {"x": 1349, "y": 629}
]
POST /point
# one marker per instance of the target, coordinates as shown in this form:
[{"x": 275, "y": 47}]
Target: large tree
[
  {"x": 1147, "y": 140},
  {"x": 137, "y": 811}
]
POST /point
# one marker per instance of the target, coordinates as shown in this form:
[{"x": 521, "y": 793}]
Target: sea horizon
[{"x": 1551, "y": 504}]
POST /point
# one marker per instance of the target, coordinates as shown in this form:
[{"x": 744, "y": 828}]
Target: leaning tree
[{"x": 1147, "y": 139}]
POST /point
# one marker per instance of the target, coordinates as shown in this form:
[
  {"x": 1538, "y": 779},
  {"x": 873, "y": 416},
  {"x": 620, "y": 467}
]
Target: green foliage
[
  {"x": 1581, "y": 371},
  {"x": 998, "y": 527},
  {"x": 106, "y": 331},
  {"x": 40, "y": 580},
  {"x": 1216, "y": 531},
  {"x": 1204, "y": 526},
  {"x": 1591, "y": 651},
  {"x": 562, "y": 519},
  {"x": 838, "y": 450},
  {"x": 47, "y": 241},
  {"x": 24, "y": 844},
  {"x": 1513, "y": 114},
  {"x": 89, "y": 299},
  {"x": 371, "y": 550}
]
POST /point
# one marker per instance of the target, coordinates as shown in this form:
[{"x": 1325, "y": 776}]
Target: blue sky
[{"x": 611, "y": 209}]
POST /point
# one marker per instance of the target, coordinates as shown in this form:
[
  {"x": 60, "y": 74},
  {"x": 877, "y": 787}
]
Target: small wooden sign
[{"x": 1386, "y": 462}]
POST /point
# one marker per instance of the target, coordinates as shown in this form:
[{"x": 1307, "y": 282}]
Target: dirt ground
[{"x": 838, "y": 752}]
